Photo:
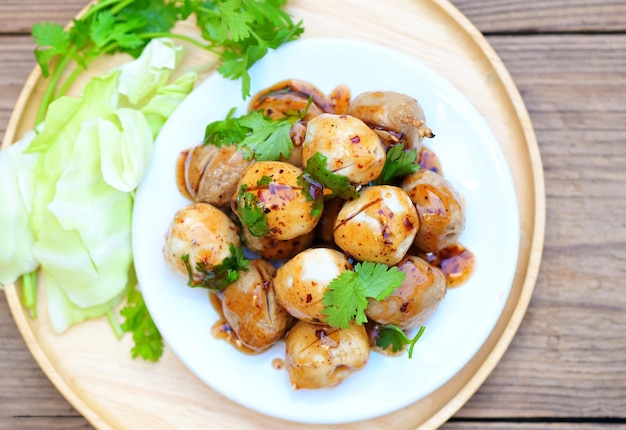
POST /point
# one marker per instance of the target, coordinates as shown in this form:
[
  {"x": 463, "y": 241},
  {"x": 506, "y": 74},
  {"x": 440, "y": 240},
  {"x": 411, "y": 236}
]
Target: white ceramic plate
[{"x": 472, "y": 160}]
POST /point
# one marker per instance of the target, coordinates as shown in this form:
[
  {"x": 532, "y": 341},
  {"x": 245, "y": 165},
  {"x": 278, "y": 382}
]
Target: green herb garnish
[
  {"x": 252, "y": 212},
  {"x": 393, "y": 336},
  {"x": 399, "y": 162},
  {"x": 256, "y": 135},
  {"x": 346, "y": 296},
  {"x": 317, "y": 173},
  {"x": 146, "y": 336},
  {"x": 240, "y": 32},
  {"x": 223, "y": 274}
]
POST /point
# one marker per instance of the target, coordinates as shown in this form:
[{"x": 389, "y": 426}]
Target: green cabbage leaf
[{"x": 84, "y": 166}]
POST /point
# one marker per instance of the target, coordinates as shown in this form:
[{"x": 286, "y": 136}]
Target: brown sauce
[
  {"x": 456, "y": 262},
  {"x": 372, "y": 328},
  {"x": 222, "y": 330},
  {"x": 278, "y": 363}
]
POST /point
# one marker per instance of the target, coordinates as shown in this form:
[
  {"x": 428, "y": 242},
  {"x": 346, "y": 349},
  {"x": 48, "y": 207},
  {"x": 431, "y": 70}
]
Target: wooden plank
[
  {"x": 567, "y": 358},
  {"x": 514, "y": 425},
  {"x": 499, "y": 16},
  {"x": 17, "y": 62},
  {"x": 18, "y": 16},
  {"x": 27, "y": 398},
  {"x": 541, "y": 16}
]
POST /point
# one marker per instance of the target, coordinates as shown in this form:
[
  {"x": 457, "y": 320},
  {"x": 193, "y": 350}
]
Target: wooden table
[{"x": 566, "y": 368}]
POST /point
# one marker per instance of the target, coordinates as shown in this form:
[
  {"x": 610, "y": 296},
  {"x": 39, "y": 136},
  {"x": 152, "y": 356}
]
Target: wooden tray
[{"x": 94, "y": 371}]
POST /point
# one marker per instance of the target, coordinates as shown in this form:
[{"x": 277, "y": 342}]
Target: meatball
[
  {"x": 269, "y": 191},
  {"x": 413, "y": 303},
  {"x": 380, "y": 225},
  {"x": 204, "y": 234},
  {"x": 206, "y": 173},
  {"x": 275, "y": 249},
  {"x": 301, "y": 282},
  {"x": 293, "y": 95},
  {"x": 249, "y": 306},
  {"x": 320, "y": 356},
  {"x": 440, "y": 210},
  {"x": 394, "y": 113},
  {"x": 352, "y": 149}
]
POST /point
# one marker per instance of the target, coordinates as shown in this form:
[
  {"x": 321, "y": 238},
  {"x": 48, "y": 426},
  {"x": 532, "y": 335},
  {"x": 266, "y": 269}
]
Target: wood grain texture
[
  {"x": 545, "y": 16},
  {"x": 565, "y": 368}
]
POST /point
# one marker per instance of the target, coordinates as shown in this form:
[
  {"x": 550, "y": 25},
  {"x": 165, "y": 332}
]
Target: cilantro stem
[
  {"x": 29, "y": 292},
  {"x": 48, "y": 95},
  {"x": 115, "y": 324},
  {"x": 413, "y": 341},
  {"x": 103, "y": 4},
  {"x": 191, "y": 40}
]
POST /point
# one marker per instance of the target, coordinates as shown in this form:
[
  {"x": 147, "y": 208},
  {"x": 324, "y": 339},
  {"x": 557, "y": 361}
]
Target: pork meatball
[
  {"x": 275, "y": 249},
  {"x": 440, "y": 210},
  {"x": 301, "y": 282},
  {"x": 394, "y": 113},
  {"x": 413, "y": 303},
  {"x": 250, "y": 307},
  {"x": 380, "y": 225},
  {"x": 293, "y": 95},
  {"x": 351, "y": 148},
  {"x": 320, "y": 356},
  {"x": 269, "y": 194},
  {"x": 206, "y": 173},
  {"x": 200, "y": 235}
]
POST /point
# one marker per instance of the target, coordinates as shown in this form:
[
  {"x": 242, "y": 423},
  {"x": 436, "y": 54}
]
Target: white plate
[{"x": 472, "y": 160}]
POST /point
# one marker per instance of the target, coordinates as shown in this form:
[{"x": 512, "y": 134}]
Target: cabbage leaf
[{"x": 85, "y": 164}]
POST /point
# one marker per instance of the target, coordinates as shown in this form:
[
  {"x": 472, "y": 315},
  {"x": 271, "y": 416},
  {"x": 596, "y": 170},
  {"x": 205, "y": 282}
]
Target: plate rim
[{"x": 493, "y": 349}]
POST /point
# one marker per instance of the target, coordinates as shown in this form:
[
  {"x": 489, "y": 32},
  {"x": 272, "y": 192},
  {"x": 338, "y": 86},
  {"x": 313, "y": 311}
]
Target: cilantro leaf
[
  {"x": 52, "y": 41},
  {"x": 345, "y": 298},
  {"x": 269, "y": 139},
  {"x": 251, "y": 212},
  {"x": 146, "y": 336},
  {"x": 316, "y": 172},
  {"x": 228, "y": 131},
  {"x": 256, "y": 135},
  {"x": 392, "y": 336},
  {"x": 223, "y": 274},
  {"x": 380, "y": 279},
  {"x": 400, "y": 162},
  {"x": 239, "y": 32}
]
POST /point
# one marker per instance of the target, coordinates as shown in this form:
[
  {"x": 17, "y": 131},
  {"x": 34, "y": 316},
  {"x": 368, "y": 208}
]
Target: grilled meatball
[
  {"x": 352, "y": 149},
  {"x": 204, "y": 234},
  {"x": 378, "y": 226},
  {"x": 250, "y": 307},
  {"x": 413, "y": 303},
  {"x": 320, "y": 356},
  {"x": 206, "y": 173},
  {"x": 398, "y": 116},
  {"x": 301, "y": 282},
  {"x": 440, "y": 210}
]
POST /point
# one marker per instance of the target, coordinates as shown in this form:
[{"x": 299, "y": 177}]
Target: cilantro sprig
[
  {"x": 223, "y": 274},
  {"x": 240, "y": 32},
  {"x": 257, "y": 136},
  {"x": 317, "y": 178},
  {"x": 148, "y": 342},
  {"x": 254, "y": 134},
  {"x": 252, "y": 212},
  {"x": 345, "y": 298},
  {"x": 399, "y": 162},
  {"x": 392, "y": 336}
]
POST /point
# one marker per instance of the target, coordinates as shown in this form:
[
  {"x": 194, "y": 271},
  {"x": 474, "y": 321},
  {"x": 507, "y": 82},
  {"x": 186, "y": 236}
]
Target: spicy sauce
[
  {"x": 222, "y": 330},
  {"x": 456, "y": 262}
]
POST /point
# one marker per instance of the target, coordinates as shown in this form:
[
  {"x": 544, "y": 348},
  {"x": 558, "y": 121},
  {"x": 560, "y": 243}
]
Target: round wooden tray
[{"x": 94, "y": 371}]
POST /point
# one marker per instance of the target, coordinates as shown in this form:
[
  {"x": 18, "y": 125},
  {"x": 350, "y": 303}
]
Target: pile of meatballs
[{"x": 280, "y": 295}]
